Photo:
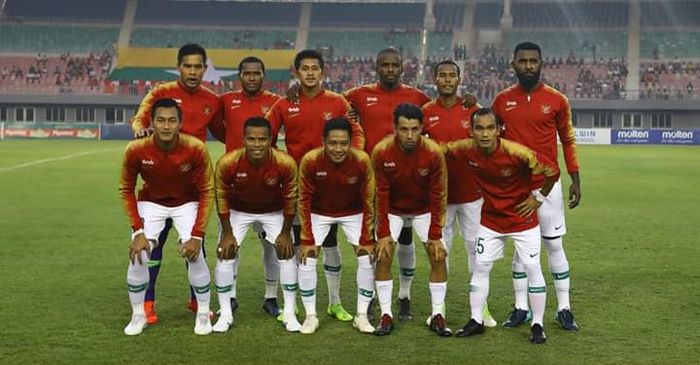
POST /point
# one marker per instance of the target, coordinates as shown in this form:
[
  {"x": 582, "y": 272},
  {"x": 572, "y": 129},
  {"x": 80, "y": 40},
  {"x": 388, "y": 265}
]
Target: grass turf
[{"x": 632, "y": 245}]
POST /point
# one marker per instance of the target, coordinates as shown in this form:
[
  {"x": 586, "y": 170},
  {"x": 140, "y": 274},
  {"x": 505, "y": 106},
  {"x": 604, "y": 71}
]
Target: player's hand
[
  {"x": 228, "y": 247},
  {"x": 292, "y": 93},
  {"x": 529, "y": 206},
  {"x": 138, "y": 244},
  {"x": 366, "y": 249},
  {"x": 352, "y": 114},
  {"x": 469, "y": 100},
  {"x": 385, "y": 248},
  {"x": 436, "y": 250},
  {"x": 307, "y": 251},
  {"x": 145, "y": 132},
  {"x": 190, "y": 249},
  {"x": 574, "y": 194},
  {"x": 285, "y": 247}
]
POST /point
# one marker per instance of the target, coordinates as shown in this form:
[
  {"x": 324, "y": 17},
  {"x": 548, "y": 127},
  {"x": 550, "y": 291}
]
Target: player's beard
[{"x": 528, "y": 81}]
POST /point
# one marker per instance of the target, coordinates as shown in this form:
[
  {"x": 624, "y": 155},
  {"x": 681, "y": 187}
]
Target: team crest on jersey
[
  {"x": 546, "y": 109},
  {"x": 327, "y": 115},
  {"x": 506, "y": 172},
  {"x": 352, "y": 180},
  {"x": 271, "y": 181},
  {"x": 207, "y": 110},
  {"x": 464, "y": 123},
  {"x": 186, "y": 167},
  {"x": 423, "y": 171}
]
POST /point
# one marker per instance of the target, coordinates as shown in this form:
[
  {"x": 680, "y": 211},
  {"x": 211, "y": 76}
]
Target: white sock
[
  {"x": 272, "y": 269},
  {"x": 236, "y": 263},
  {"x": 365, "y": 283},
  {"x": 198, "y": 273},
  {"x": 470, "y": 246},
  {"x": 384, "y": 289},
  {"x": 536, "y": 292},
  {"x": 407, "y": 268},
  {"x": 288, "y": 280},
  {"x": 137, "y": 282},
  {"x": 224, "y": 282},
  {"x": 559, "y": 267},
  {"x": 437, "y": 297},
  {"x": 332, "y": 268},
  {"x": 479, "y": 290},
  {"x": 307, "y": 285},
  {"x": 519, "y": 283}
]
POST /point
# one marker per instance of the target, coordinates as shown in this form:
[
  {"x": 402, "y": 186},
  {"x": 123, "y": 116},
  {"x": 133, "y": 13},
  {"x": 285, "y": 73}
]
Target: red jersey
[
  {"x": 200, "y": 110},
  {"x": 237, "y": 107},
  {"x": 410, "y": 184},
  {"x": 265, "y": 188},
  {"x": 506, "y": 179},
  {"x": 336, "y": 190},
  {"x": 443, "y": 124},
  {"x": 376, "y": 104},
  {"x": 534, "y": 119},
  {"x": 304, "y": 121},
  {"x": 170, "y": 178}
]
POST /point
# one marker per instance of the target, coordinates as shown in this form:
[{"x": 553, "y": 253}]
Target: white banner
[{"x": 592, "y": 135}]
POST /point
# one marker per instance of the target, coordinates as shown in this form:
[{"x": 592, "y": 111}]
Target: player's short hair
[
  {"x": 486, "y": 111},
  {"x": 340, "y": 123},
  {"x": 308, "y": 53},
  {"x": 527, "y": 46},
  {"x": 166, "y": 103},
  {"x": 388, "y": 50},
  {"x": 250, "y": 59},
  {"x": 408, "y": 111},
  {"x": 257, "y": 122},
  {"x": 190, "y": 49},
  {"x": 446, "y": 62}
]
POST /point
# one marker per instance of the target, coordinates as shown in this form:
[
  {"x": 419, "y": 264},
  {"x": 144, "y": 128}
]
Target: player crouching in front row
[
  {"x": 504, "y": 170},
  {"x": 336, "y": 186},
  {"x": 256, "y": 184},
  {"x": 177, "y": 184}
]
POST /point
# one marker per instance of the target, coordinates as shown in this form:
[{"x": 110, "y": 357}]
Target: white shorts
[
  {"x": 490, "y": 244},
  {"x": 551, "y": 213},
  {"x": 468, "y": 216},
  {"x": 420, "y": 224},
  {"x": 271, "y": 224},
  {"x": 154, "y": 217},
  {"x": 351, "y": 225}
]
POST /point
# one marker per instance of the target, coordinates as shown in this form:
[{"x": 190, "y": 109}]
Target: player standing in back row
[
  {"x": 200, "y": 112},
  {"x": 534, "y": 114}
]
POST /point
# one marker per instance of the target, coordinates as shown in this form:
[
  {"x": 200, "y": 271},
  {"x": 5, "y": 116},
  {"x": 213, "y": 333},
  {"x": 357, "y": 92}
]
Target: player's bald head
[{"x": 388, "y": 51}]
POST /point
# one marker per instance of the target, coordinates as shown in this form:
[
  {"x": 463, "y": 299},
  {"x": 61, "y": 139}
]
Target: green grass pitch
[{"x": 633, "y": 247}]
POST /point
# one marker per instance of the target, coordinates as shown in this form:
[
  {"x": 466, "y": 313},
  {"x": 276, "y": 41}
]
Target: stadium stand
[
  {"x": 560, "y": 42},
  {"x": 380, "y": 16},
  {"x": 16, "y": 38},
  {"x": 570, "y": 14},
  {"x": 213, "y": 38}
]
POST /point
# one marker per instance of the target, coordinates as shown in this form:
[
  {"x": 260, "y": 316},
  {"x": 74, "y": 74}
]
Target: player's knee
[{"x": 482, "y": 268}]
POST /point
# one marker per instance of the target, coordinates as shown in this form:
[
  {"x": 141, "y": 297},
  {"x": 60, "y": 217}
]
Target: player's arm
[
  {"x": 228, "y": 246},
  {"x": 538, "y": 164},
  {"x": 285, "y": 246},
  {"x": 276, "y": 118},
  {"x": 438, "y": 206},
  {"x": 384, "y": 241},
  {"x": 307, "y": 188},
  {"x": 141, "y": 121},
  {"x": 358, "y": 134},
  {"x": 216, "y": 125},
  {"x": 127, "y": 185},
  {"x": 203, "y": 176},
  {"x": 368, "y": 197},
  {"x": 565, "y": 129}
]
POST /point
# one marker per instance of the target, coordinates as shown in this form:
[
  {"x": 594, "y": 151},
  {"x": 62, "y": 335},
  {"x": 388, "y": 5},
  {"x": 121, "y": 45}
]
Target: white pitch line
[{"x": 46, "y": 160}]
